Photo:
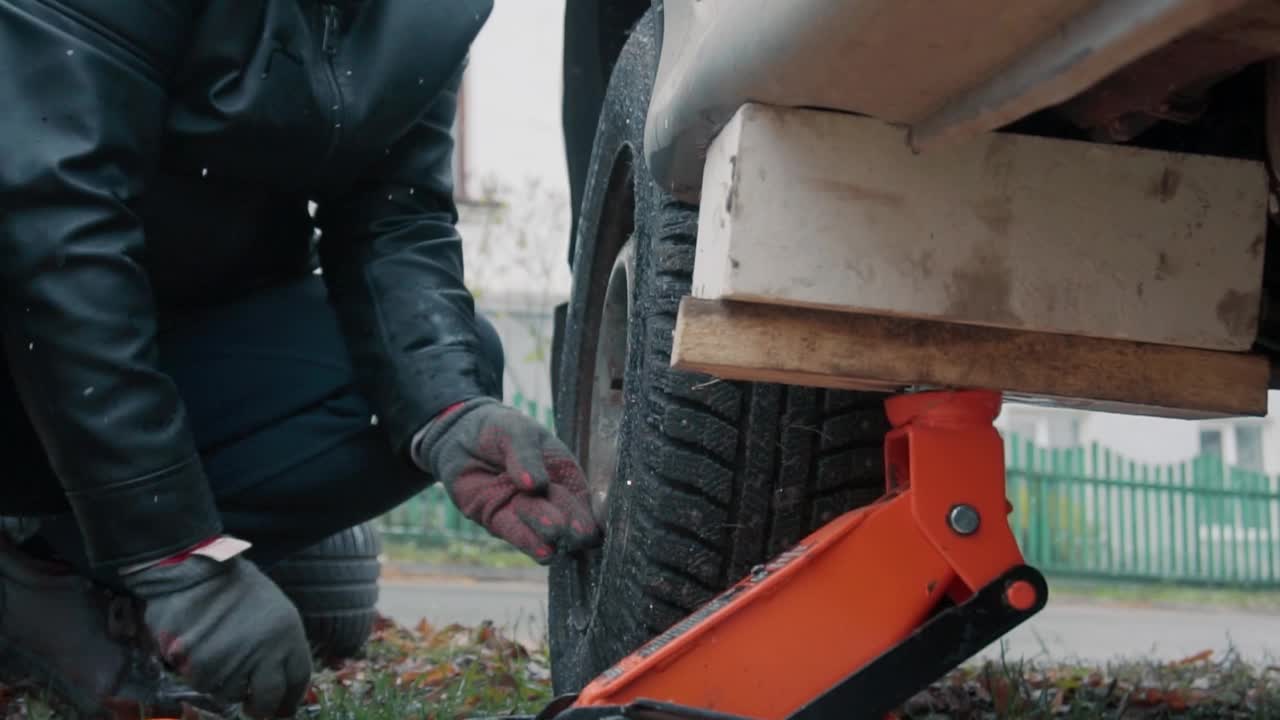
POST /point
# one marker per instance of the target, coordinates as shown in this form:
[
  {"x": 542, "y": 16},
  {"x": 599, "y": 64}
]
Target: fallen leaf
[
  {"x": 348, "y": 674},
  {"x": 999, "y": 690},
  {"x": 429, "y": 677},
  {"x": 1059, "y": 701},
  {"x": 1193, "y": 659},
  {"x": 503, "y": 680},
  {"x": 1177, "y": 700},
  {"x": 1146, "y": 697}
]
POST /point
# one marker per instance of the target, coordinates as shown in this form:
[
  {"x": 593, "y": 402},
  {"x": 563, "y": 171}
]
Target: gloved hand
[
  {"x": 509, "y": 474},
  {"x": 228, "y": 630}
]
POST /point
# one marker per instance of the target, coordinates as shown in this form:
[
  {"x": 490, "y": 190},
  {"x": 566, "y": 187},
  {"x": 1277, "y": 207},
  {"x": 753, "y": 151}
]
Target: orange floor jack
[{"x": 863, "y": 613}]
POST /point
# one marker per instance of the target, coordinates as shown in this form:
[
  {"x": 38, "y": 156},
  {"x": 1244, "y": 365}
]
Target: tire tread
[{"x": 790, "y": 454}]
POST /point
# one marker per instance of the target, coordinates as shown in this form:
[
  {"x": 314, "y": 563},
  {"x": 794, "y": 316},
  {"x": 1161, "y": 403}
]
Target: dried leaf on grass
[
  {"x": 458, "y": 672},
  {"x": 443, "y": 673},
  {"x": 463, "y": 672},
  {"x": 1195, "y": 687},
  {"x": 1202, "y": 656}
]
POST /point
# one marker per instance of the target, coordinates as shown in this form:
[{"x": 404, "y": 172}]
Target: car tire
[
  {"x": 695, "y": 480},
  {"x": 334, "y": 585}
]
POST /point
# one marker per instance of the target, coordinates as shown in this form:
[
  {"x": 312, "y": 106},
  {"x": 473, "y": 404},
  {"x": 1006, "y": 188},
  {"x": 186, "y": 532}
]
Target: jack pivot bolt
[{"x": 964, "y": 519}]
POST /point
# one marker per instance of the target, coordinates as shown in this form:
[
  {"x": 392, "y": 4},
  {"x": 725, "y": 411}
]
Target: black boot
[{"x": 62, "y": 633}]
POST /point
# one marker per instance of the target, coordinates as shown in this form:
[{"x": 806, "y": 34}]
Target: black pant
[{"x": 289, "y": 445}]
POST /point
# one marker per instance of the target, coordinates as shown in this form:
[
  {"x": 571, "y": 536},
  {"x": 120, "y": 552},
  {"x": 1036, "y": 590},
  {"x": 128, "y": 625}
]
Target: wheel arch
[{"x": 594, "y": 34}]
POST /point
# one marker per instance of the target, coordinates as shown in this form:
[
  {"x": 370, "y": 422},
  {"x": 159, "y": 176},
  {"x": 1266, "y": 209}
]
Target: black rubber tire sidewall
[
  {"x": 721, "y": 475},
  {"x": 334, "y": 585}
]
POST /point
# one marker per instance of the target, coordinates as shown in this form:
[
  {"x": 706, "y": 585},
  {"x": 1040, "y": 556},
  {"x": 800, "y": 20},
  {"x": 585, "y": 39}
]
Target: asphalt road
[
  {"x": 1063, "y": 630},
  {"x": 519, "y": 608}
]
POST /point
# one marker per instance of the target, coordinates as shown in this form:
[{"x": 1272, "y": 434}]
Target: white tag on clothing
[{"x": 224, "y": 548}]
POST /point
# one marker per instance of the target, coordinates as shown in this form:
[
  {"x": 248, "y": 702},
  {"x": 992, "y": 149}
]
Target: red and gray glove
[
  {"x": 511, "y": 475},
  {"x": 227, "y": 629}
]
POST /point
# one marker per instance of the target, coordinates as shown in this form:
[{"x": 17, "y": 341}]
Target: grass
[
  {"x": 457, "y": 553},
  {"x": 468, "y": 672},
  {"x": 20, "y": 706},
  {"x": 1196, "y": 687},
  {"x": 425, "y": 672},
  {"x": 436, "y": 674},
  {"x": 456, "y": 672}
]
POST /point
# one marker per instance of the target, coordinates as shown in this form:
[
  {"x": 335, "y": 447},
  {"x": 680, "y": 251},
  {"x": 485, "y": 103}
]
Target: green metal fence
[
  {"x": 1091, "y": 512},
  {"x": 431, "y": 520}
]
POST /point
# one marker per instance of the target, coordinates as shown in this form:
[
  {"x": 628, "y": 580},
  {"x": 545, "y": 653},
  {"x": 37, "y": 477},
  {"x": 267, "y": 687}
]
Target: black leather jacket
[{"x": 160, "y": 154}]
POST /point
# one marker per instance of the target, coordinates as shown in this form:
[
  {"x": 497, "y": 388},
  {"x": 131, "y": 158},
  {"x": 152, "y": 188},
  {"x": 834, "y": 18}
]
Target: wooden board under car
[
  {"x": 829, "y": 210},
  {"x": 804, "y": 346}
]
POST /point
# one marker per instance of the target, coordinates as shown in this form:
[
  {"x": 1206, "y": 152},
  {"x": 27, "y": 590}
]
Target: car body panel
[{"x": 949, "y": 67}]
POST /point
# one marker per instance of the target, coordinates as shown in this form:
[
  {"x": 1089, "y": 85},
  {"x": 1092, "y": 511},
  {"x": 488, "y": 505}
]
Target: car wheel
[{"x": 695, "y": 480}]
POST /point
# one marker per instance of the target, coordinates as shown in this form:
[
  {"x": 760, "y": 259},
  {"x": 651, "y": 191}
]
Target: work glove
[
  {"x": 509, "y": 474},
  {"x": 228, "y": 630}
]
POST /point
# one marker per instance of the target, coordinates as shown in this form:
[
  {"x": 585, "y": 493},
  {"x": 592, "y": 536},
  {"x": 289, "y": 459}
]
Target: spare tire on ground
[{"x": 334, "y": 585}]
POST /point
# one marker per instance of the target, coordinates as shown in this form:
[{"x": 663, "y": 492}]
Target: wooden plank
[
  {"x": 824, "y": 209},
  {"x": 768, "y": 343},
  {"x": 1082, "y": 52}
]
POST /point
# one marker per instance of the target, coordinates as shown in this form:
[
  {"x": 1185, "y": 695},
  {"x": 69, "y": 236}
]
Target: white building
[
  {"x": 514, "y": 188},
  {"x": 510, "y": 141},
  {"x": 1248, "y": 443}
]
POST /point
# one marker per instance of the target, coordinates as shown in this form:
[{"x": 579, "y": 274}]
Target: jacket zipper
[
  {"x": 329, "y": 40},
  {"x": 329, "y": 48}
]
